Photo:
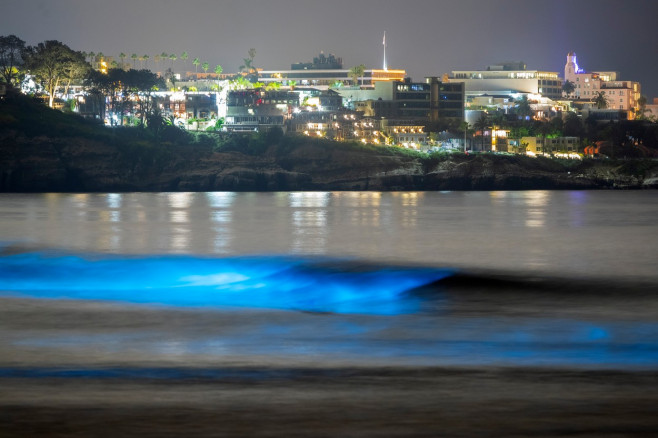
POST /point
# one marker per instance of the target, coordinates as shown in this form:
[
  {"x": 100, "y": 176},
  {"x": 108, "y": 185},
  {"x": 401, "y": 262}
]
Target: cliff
[{"x": 53, "y": 153}]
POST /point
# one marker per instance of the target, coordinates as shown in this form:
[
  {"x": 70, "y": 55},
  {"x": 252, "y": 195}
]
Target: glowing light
[{"x": 268, "y": 282}]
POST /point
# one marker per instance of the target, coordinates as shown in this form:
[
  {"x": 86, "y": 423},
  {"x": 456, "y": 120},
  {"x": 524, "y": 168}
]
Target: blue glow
[{"x": 265, "y": 282}]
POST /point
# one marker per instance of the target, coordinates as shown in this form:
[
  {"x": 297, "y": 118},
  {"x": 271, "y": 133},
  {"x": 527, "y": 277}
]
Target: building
[
  {"x": 257, "y": 109},
  {"x": 429, "y": 101},
  {"x": 446, "y": 100},
  {"x": 407, "y": 135},
  {"x": 327, "y": 71},
  {"x": 550, "y": 146},
  {"x": 509, "y": 79},
  {"x": 620, "y": 95}
]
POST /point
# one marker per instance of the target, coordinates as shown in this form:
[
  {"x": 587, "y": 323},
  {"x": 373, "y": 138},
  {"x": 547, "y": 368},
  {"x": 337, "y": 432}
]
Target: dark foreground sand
[{"x": 140, "y": 392}]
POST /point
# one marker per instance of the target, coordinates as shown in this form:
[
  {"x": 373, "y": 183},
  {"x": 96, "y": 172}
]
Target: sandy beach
[{"x": 74, "y": 369}]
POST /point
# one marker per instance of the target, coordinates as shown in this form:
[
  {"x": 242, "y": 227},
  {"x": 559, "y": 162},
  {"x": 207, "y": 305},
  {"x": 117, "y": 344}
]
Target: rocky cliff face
[{"x": 44, "y": 164}]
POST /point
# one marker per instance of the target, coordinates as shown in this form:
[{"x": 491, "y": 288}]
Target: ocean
[{"x": 534, "y": 305}]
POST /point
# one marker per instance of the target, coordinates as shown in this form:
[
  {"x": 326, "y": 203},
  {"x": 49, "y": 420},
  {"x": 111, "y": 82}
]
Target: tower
[
  {"x": 385, "y": 66},
  {"x": 571, "y": 68}
]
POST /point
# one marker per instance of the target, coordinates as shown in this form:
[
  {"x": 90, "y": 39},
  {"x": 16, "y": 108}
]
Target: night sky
[{"x": 425, "y": 37}]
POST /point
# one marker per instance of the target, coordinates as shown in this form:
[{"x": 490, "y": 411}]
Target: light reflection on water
[{"x": 587, "y": 233}]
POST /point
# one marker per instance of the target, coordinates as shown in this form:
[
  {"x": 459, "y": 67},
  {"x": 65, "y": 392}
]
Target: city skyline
[{"x": 422, "y": 36}]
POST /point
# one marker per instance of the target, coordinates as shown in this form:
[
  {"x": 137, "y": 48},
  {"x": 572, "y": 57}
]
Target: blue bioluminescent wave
[{"x": 259, "y": 282}]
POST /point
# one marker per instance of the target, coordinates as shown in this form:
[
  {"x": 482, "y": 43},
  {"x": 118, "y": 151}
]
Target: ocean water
[{"x": 536, "y": 278}]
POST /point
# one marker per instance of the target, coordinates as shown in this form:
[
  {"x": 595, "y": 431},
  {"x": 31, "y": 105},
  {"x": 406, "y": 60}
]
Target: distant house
[
  {"x": 550, "y": 146},
  {"x": 257, "y": 109}
]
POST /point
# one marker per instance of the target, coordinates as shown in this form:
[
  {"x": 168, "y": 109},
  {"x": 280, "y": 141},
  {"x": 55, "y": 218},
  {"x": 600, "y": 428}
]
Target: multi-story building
[
  {"x": 550, "y": 146},
  {"x": 325, "y": 72},
  {"x": 256, "y": 109},
  {"x": 428, "y": 101},
  {"x": 509, "y": 79},
  {"x": 620, "y": 95}
]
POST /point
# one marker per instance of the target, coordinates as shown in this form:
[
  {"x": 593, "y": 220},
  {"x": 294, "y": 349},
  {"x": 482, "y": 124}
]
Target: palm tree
[
  {"x": 568, "y": 87},
  {"x": 642, "y": 108},
  {"x": 357, "y": 72},
  {"x": 173, "y": 58},
  {"x": 122, "y": 56},
  {"x": 218, "y": 71},
  {"x": 464, "y": 126},
  {"x": 601, "y": 100},
  {"x": 481, "y": 125},
  {"x": 163, "y": 57},
  {"x": 184, "y": 57},
  {"x": 145, "y": 58},
  {"x": 248, "y": 62},
  {"x": 205, "y": 67},
  {"x": 196, "y": 63}
]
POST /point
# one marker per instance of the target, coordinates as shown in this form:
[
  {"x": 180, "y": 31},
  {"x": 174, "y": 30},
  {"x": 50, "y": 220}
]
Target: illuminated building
[
  {"x": 550, "y": 146},
  {"x": 431, "y": 100},
  {"x": 508, "y": 79},
  {"x": 257, "y": 109},
  {"x": 325, "y": 71},
  {"x": 620, "y": 95}
]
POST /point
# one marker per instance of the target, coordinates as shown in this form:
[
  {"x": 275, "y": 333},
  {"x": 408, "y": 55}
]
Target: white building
[{"x": 509, "y": 79}]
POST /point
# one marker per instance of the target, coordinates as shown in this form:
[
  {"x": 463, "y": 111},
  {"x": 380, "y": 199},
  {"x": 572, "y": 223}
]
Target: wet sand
[{"x": 74, "y": 369}]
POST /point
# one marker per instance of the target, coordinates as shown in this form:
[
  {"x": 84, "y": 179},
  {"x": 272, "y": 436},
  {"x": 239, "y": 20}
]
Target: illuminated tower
[
  {"x": 571, "y": 68},
  {"x": 385, "y": 66}
]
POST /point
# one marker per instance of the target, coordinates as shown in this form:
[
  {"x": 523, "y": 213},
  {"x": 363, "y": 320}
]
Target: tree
[
  {"x": 134, "y": 58},
  {"x": 481, "y": 125},
  {"x": 573, "y": 125},
  {"x": 122, "y": 57},
  {"x": 173, "y": 58},
  {"x": 568, "y": 88},
  {"x": 642, "y": 108},
  {"x": 11, "y": 58},
  {"x": 523, "y": 107},
  {"x": 601, "y": 100},
  {"x": 196, "y": 63},
  {"x": 248, "y": 65},
  {"x": 53, "y": 62},
  {"x": 357, "y": 72},
  {"x": 205, "y": 67},
  {"x": 125, "y": 88},
  {"x": 145, "y": 58},
  {"x": 184, "y": 57},
  {"x": 465, "y": 127},
  {"x": 163, "y": 57},
  {"x": 218, "y": 71}
]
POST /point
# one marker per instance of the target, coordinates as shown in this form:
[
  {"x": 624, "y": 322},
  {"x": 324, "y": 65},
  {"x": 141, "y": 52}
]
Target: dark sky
[{"x": 425, "y": 37}]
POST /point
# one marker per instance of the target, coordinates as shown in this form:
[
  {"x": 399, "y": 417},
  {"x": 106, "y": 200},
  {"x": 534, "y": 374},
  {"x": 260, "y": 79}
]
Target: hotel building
[{"x": 621, "y": 95}]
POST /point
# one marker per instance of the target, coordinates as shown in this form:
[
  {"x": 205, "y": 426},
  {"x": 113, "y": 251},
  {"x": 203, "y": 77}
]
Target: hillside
[{"x": 43, "y": 150}]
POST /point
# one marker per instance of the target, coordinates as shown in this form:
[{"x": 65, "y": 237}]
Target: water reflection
[
  {"x": 179, "y": 200},
  {"x": 536, "y": 202},
  {"x": 309, "y": 222},
  {"x": 410, "y": 210}
]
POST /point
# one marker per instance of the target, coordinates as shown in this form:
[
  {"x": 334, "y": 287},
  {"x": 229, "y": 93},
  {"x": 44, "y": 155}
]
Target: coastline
[{"x": 45, "y": 164}]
